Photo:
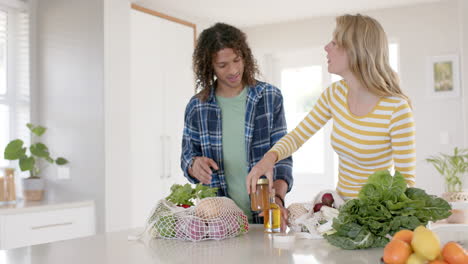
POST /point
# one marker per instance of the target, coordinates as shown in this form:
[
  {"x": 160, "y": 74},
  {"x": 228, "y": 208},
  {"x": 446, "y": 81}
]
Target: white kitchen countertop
[
  {"x": 28, "y": 207},
  {"x": 253, "y": 247}
]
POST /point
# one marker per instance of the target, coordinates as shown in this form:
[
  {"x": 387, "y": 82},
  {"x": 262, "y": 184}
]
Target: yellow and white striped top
[{"x": 379, "y": 140}]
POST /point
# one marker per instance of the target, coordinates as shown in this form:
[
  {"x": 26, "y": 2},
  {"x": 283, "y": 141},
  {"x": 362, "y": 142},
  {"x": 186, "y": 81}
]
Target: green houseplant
[
  {"x": 31, "y": 161},
  {"x": 452, "y": 168}
]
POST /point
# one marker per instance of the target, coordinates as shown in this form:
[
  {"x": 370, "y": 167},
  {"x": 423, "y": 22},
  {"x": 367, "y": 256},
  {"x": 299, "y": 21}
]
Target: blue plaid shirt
[{"x": 265, "y": 124}]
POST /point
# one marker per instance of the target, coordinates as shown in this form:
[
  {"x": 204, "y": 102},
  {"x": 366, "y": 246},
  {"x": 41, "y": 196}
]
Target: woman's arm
[
  {"x": 402, "y": 134},
  {"x": 287, "y": 145}
]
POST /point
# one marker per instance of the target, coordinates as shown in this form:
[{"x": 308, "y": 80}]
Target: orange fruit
[
  {"x": 397, "y": 252},
  {"x": 437, "y": 261},
  {"x": 405, "y": 235},
  {"x": 453, "y": 253}
]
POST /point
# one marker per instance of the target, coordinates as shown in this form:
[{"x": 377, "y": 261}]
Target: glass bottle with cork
[{"x": 272, "y": 216}]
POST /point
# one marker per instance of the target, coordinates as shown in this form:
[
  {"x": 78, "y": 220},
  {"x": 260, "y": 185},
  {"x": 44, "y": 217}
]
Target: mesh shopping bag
[{"x": 212, "y": 218}]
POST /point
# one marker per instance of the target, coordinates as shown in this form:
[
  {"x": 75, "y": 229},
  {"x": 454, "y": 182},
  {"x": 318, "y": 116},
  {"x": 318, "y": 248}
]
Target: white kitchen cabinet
[
  {"x": 38, "y": 223},
  {"x": 161, "y": 85}
]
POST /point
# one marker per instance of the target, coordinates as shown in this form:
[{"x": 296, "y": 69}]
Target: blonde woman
[{"x": 373, "y": 126}]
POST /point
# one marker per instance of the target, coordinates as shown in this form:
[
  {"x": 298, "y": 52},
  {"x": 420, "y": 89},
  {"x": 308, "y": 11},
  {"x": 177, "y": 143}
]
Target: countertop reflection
[{"x": 253, "y": 247}]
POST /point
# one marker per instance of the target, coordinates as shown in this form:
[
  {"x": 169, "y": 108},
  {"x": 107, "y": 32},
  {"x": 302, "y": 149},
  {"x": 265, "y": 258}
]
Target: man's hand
[
  {"x": 284, "y": 214},
  {"x": 281, "y": 187},
  {"x": 201, "y": 169}
]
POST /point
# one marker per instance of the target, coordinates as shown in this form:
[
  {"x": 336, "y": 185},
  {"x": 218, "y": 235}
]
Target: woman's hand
[
  {"x": 201, "y": 169},
  {"x": 263, "y": 167}
]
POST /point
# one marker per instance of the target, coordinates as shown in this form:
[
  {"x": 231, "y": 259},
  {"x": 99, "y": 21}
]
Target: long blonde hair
[{"x": 366, "y": 45}]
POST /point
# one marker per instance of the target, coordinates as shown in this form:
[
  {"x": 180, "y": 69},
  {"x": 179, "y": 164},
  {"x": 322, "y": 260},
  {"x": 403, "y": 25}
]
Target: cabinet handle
[
  {"x": 169, "y": 154},
  {"x": 163, "y": 158},
  {"x": 51, "y": 225}
]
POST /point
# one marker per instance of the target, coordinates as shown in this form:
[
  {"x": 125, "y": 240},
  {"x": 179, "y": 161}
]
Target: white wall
[
  {"x": 201, "y": 23},
  {"x": 422, "y": 31},
  {"x": 463, "y": 20},
  {"x": 69, "y": 95},
  {"x": 116, "y": 111}
]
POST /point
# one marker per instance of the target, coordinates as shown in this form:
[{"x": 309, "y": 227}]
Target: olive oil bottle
[{"x": 272, "y": 216}]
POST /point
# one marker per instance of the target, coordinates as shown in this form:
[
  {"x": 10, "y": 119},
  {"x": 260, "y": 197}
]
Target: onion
[{"x": 207, "y": 209}]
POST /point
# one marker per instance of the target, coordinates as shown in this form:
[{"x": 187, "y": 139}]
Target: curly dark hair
[{"x": 212, "y": 40}]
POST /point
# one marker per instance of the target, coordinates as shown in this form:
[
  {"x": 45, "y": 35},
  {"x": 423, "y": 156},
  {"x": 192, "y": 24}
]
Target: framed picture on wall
[{"x": 443, "y": 77}]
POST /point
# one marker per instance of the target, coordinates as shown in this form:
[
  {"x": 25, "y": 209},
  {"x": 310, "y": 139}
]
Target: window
[
  {"x": 301, "y": 88},
  {"x": 393, "y": 56},
  {"x": 14, "y": 76}
]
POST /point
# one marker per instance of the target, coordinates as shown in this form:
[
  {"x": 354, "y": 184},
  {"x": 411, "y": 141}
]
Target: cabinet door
[
  {"x": 146, "y": 106},
  {"x": 161, "y": 85},
  {"x": 179, "y": 88}
]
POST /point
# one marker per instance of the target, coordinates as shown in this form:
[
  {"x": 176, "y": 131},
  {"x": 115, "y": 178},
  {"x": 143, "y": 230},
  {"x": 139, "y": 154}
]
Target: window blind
[
  {"x": 3, "y": 51},
  {"x": 14, "y": 77}
]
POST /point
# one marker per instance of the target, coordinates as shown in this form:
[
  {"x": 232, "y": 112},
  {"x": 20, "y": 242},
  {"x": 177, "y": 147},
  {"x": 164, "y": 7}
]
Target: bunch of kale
[{"x": 385, "y": 206}]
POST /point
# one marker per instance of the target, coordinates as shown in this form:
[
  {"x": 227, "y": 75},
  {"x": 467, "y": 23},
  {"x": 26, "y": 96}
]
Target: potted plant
[
  {"x": 33, "y": 186},
  {"x": 452, "y": 168}
]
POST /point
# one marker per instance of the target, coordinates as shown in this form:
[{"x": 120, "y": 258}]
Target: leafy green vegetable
[
  {"x": 202, "y": 191},
  {"x": 385, "y": 206},
  {"x": 185, "y": 194},
  {"x": 361, "y": 238},
  {"x": 382, "y": 186}
]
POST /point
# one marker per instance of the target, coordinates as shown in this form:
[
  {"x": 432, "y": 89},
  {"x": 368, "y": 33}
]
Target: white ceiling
[{"x": 244, "y": 13}]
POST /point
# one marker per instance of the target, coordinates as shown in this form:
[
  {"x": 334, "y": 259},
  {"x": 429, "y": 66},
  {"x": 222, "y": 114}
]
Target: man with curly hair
[{"x": 233, "y": 120}]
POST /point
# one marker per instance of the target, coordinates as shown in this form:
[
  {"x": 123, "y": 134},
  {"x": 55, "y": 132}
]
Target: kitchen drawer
[{"x": 39, "y": 227}]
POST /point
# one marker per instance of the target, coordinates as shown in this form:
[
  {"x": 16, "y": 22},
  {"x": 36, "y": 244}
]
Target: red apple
[
  {"x": 327, "y": 199},
  {"x": 317, "y": 207}
]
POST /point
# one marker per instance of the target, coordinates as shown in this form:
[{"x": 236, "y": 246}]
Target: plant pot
[
  {"x": 33, "y": 189},
  {"x": 455, "y": 196},
  {"x": 459, "y": 215}
]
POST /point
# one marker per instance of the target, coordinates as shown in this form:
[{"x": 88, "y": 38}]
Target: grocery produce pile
[
  {"x": 422, "y": 246},
  {"x": 384, "y": 206},
  {"x": 191, "y": 214}
]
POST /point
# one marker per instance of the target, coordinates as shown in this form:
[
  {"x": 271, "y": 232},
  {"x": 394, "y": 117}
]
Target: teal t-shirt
[{"x": 234, "y": 155}]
